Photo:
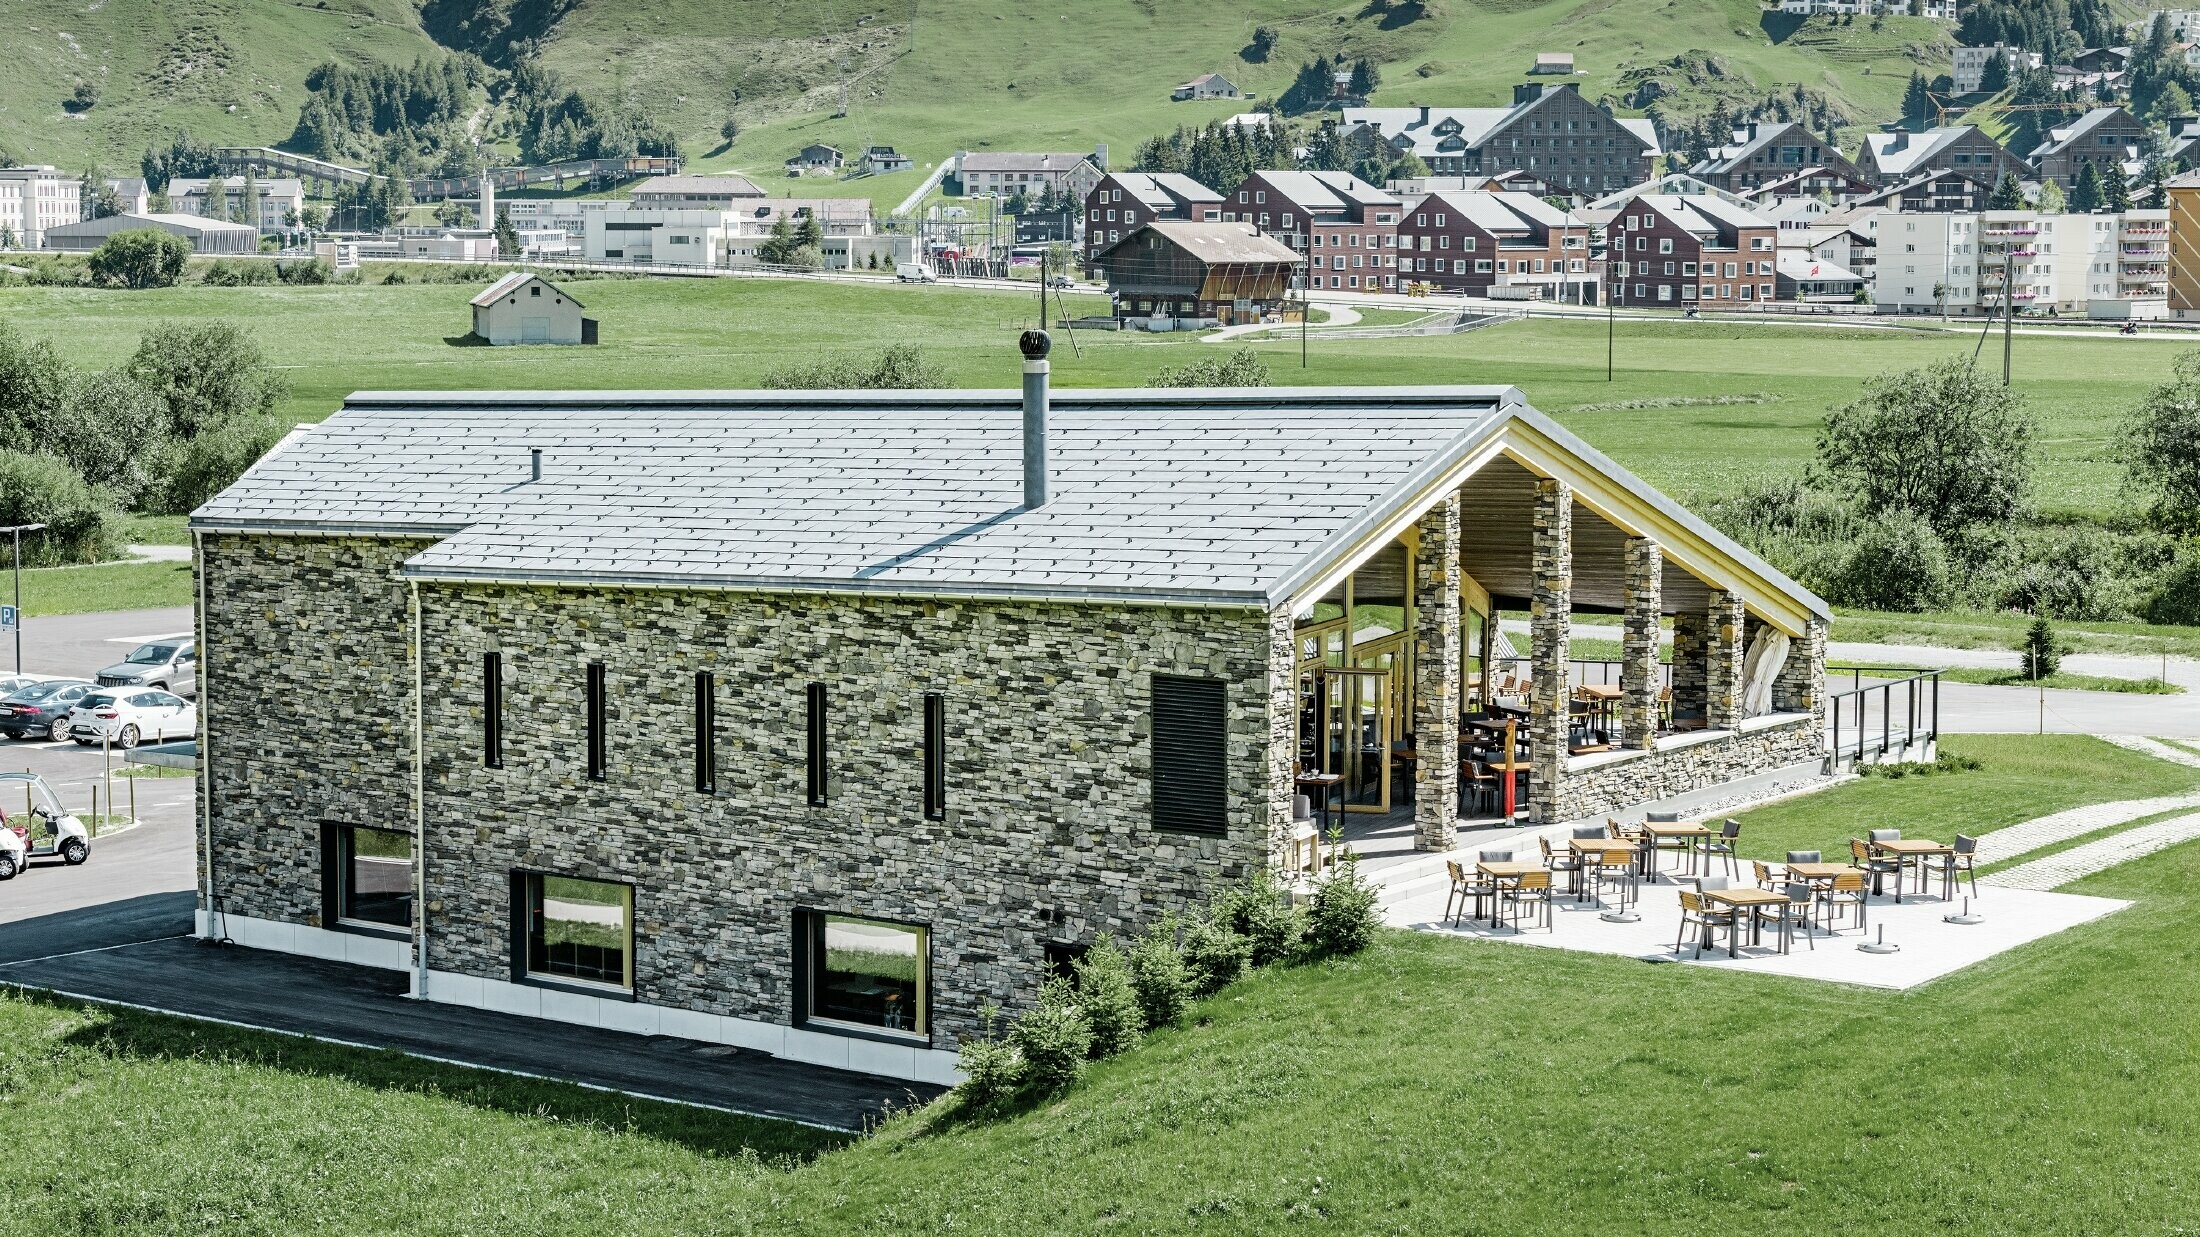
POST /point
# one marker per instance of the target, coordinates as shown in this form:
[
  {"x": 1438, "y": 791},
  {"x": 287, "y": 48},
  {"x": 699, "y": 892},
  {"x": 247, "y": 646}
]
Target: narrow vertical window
[
  {"x": 817, "y": 743},
  {"x": 935, "y": 756},
  {"x": 492, "y": 710},
  {"x": 706, "y": 731},
  {"x": 596, "y": 766}
]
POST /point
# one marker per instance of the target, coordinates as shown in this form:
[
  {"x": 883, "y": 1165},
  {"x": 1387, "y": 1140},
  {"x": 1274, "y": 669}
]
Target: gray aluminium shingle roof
[{"x": 1214, "y": 497}]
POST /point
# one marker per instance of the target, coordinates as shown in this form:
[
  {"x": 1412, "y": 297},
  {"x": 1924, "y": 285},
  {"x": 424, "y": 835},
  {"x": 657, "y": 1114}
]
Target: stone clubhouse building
[{"x": 811, "y": 722}]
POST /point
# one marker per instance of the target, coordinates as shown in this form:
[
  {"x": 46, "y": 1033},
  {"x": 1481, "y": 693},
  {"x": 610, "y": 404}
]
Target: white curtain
[{"x": 1760, "y": 666}]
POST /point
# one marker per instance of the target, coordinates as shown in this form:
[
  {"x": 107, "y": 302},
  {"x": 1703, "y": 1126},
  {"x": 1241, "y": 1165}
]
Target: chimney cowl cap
[{"x": 1035, "y": 345}]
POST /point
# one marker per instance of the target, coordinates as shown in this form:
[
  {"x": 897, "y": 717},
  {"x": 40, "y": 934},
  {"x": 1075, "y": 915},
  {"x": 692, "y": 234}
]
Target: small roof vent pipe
[
  {"x": 1035, "y": 346},
  {"x": 534, "y": 464}
]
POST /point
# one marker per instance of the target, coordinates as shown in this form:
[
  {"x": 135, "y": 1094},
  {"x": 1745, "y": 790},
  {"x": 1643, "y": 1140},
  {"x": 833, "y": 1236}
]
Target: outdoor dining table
[
  {"x": 1817, "y": 871},
  {"x": 1502, "y": 870},
  {"x": 1909, "y": 850},
  {"x": 1744, "y": 901},
  {"x": 1603, "y": 849},
  {"x": 1697, "y": 836},
  {"x": 1320, "y": 784}
]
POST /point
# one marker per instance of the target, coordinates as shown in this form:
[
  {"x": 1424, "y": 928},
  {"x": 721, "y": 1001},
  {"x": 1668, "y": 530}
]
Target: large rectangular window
[
  {"x": 935, "y": 756},
  {"x": 492, "y": 710},
  {"x": 597, "y": 768},
  {"x": 1190, "y": 752},
  {"x": 865, "y": 973},
  {"x": 706, "y": 731},
  {"x": 575, "y": 931},
  {"x": 816, "y": 743},
  {"x": 367, "y": 878}
]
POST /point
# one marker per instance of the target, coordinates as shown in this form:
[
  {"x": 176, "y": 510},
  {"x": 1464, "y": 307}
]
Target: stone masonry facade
[
  {"x": 1047, "y": 835},
  {"x": 1438, "y": 668},
  {"x": 1550, "y": 620},
  {"x": 1609, "y": 788},
  {"x": 1724, "y": 655},
  {"x": 1638, "y": 705},
  {"x": 307, "y": 701}
]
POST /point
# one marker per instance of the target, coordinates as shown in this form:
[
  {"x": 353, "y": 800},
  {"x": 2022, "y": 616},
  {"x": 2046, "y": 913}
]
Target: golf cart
[{"x": 64, "y": 836}]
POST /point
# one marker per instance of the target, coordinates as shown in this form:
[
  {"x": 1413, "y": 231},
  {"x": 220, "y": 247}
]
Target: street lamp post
[{"x": 16, "y": 532}]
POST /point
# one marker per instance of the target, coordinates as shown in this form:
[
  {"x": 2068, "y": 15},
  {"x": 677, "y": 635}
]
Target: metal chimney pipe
[
  {"x": 1035, "y": 346},
  {"x": 534, "y": 469}
]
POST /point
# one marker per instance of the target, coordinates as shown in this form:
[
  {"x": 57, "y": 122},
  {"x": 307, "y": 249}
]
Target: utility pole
[
  {"x": 1611, "y": 316},
  {"x": 1305, "y": 309},
  {"x": 17, "y": 532},
  {"x": 2008, "y": 301}
]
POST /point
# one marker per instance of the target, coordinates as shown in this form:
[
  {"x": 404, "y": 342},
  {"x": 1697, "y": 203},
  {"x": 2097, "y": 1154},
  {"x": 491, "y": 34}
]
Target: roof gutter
[{"x": 1187, "y": 599}]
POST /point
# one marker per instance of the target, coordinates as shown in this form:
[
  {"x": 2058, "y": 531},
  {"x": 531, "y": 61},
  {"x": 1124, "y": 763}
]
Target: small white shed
[{"x": 525, "y": 308}]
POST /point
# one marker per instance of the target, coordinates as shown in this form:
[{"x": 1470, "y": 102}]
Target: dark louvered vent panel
[{"x": 1190, "y": 755}]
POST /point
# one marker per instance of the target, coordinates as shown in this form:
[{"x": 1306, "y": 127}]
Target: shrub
[
  {"x": 1214, "y": 955},
  {"x": 900, "y": 367},
  {"x": 2080, "y": 573},
  {"x": 202, "y": 467},
  {"x": 1242, "y": 368},
  {"x": 2162, "y": 445},
  {"x": 2175, "y": 598},
  {"x": 312, "y": 271},
  {"x": 993, "y": 1071},
  {"x": 207, "y": 375},
  {"x": 1260, "y": 910},
  {"x": 2041, "y": 651},
  {"x": 1896, "y": 563},
  {"x": 40, "y": 489},
  {"x": 1158, "y": 973},
  {"x": 1344, "y": 914},
  {"x": 1943, "y": 441},
  {"x": 1109, "y": 995},
  {"x": 231, "y": 273},
  {"x": 140, "y": 258},
  {"x": 1053, "y": 1038},
  {"x": 108, "y": 429}
]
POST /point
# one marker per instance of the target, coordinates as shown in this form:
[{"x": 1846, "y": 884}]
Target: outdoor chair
[
  {"x": 1712, "y": 884},
  {"x": 1561, "y": 863},
  {"x": 1722, "y": 846},
  {"x": 1804, "y": 856},
  {"x": 1588, "y": 832},
  {"x": 1861, "y": 855},
  {"x": 1652, "y": 849},
  {"x": 1884, "y": 835},
  {"x": 1846, "y": 891},
  {"x": 1481, "y": 782},
  {"x": 1789, "y": 915},
  {"x": 1694, "y": 911},
  {"x": 1611, "y": 868},
  {"x": 1466, "y": 887},
  {"x": 1769, "y": 875},
  {"x": 1662, "y": 818},
  {"x": 1959, "y": 864},
  {"x": 1522, "y": 896}
]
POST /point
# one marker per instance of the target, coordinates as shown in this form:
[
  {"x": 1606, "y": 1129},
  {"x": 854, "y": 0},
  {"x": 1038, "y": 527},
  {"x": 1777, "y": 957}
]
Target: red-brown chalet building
[
  {"x": 1345, "y": 228},
  {"x": 1471, "y": 240},
  {"x": 1674, "y": 251},
  {"x": 1124, "y": 201}
]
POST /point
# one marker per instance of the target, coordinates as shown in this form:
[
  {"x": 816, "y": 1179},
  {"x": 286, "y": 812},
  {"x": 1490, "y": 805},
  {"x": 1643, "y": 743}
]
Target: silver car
[{"x": 171, "y": 665}]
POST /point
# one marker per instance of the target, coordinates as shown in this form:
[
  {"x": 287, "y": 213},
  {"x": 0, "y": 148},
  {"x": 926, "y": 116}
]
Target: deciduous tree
[{"x": 1942, "y": 442}]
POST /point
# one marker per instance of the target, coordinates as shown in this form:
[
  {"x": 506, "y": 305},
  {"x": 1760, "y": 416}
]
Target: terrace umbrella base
[
  {"x": 1879, "y": 947},
  {"x": 1620, "y": 917}
]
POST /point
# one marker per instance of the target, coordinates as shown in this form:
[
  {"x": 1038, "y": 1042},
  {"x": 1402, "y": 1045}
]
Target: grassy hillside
[{"x": 928, "y": 78}]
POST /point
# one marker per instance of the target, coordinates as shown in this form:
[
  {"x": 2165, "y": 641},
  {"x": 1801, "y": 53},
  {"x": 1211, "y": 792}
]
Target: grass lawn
[
  {"x": 105, "y": 586},
  {"x": 2022, "y": 776},
  {"x": 154, "y": 530},
  {"x": 1429, "y": 1085},
  {"x": 730, "y": 332},
  {"x": 2012, "y": 678},
  {"x": 2006, "y": 631}
]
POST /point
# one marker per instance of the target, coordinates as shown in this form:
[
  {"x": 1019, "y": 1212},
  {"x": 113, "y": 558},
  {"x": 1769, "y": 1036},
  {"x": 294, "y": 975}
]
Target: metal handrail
[{"x": 1920, "y": 689}]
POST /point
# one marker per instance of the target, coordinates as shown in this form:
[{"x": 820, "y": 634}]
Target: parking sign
[{"x": 7, "y": 618}]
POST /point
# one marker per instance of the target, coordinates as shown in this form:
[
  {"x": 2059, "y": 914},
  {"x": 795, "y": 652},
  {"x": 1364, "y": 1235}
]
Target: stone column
[
  {"x": 1436, "y": 679},
  {"x": 1690, "y": 640},
  {"x": 1283, "y": 734},
  {"x": 1550, "y": 619},
  {"x": 1801, "y": 685},
  {"x": 1638, "y": 674},
  {"x": 1488, "y": 688},
  {"x": 1723, "y": 661}
]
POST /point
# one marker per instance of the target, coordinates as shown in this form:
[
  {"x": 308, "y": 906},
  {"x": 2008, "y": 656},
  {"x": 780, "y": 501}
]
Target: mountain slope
[{"x": 931, "y": 78}]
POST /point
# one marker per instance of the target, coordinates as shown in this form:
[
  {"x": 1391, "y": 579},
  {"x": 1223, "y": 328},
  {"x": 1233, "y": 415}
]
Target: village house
[
  {"x": 2110, "y": 138},
  {"x": 2105, "y": 266},
  {"x": 1123, "y": 200},
  {"x": 525, "y": 308},
  {"x": 33, "y": 199},
  {"x": 815, "y": 159},
  {"x": 1345, "y": 228},
  {"x": 813, "y": 723},
  {"x": 880, "y": 160},
  {"x": 1552, "y": 64},
  {"x": 1942, "y": 189},
  {"x": 1967, "y": 66},
  {"x": 1467, "y": 241},
  {"x": 1678, "y": 252},
  {"x": 1550, "y": 132},
  {"x": 1900, "y": 156},
  {"x": 1004, "y": 174},
  {"x": 1206, "y": 86},
  {"x": 1768, "y": 153},
  {"x": 281, "y": 198},
  {"x": 1171, "y": 274}
]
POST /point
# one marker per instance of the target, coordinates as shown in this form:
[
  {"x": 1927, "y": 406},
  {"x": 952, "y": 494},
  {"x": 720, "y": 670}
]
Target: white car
[
  {"x": 128, "y": 716},
  {"x": 915, "y": 272}
]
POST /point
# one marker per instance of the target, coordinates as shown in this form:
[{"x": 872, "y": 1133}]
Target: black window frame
[
  {"x": 706, "y": 732},
  {"x": 809, "y": 943},
  {"x": 1188, "y": 749},
  {"x": 598, "y": 761},
  {"x": 814, "y": 751},
  {"x": 492, "y": 710},
  {"x": 935, "y": 756},
  {"x": 337, "y": 847},
  {"x": 525, "y": 892}
]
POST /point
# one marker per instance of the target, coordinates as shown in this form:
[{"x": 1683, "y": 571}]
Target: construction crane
[{"x": 1943, "y": 111}]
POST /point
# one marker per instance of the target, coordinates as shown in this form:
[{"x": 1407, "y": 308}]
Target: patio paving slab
[{"x": 1931, "y": 947}]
